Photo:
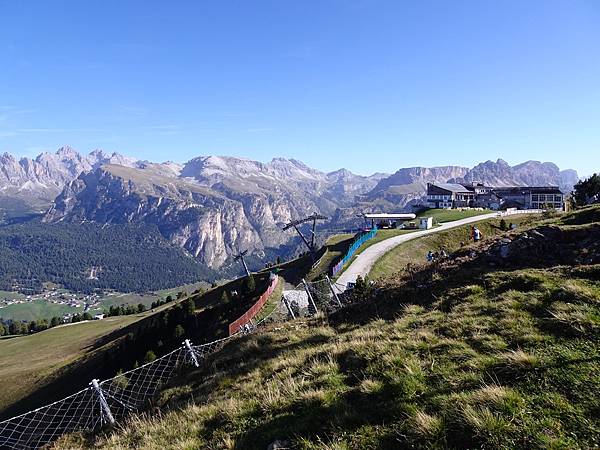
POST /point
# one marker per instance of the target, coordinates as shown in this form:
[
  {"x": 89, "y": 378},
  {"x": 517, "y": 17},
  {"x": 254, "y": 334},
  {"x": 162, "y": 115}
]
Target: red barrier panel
[{"x": 235, "y": 326}]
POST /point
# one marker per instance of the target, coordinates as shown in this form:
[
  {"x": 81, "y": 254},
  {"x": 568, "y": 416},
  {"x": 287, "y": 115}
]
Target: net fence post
[
  {"x": 288, "y": 307},
  {"x": 311, "y": 302},
  {"x": 190, "y": 350},
  {"x": 337, "y": 299},
  {"x": 106, "y": 413}
]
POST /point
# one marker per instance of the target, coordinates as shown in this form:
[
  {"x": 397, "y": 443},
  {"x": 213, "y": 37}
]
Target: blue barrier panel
[{"x": 350, "y": 253}]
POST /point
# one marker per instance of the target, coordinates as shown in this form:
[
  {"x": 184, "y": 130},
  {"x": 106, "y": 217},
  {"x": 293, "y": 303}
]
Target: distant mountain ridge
[
  {"x": 529, "y": 173},
  {"x": 36, "y": 182},
  {"x": 212, "y": 206}
]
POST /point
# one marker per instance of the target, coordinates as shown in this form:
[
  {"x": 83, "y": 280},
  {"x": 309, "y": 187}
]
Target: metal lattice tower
[
  {"x": 314, "y": 217},
  {"x": 240, "y": 257}
]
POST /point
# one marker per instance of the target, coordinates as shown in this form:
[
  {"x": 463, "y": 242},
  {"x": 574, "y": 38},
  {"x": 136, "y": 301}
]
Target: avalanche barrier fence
[{"x": 111, "y": 401}]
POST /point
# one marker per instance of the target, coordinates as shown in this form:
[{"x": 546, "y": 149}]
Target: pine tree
[
  {"x": 149, "y": 357},
  {"x": 250, "y": 286},
  {"x": 189, "y": 307},
  {"x": 178, "y": 332}
]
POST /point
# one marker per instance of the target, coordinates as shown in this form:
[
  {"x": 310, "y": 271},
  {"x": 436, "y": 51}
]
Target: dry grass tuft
[
  {"x": 428, "y": 426},
  {"x": 519, "y": 360}
]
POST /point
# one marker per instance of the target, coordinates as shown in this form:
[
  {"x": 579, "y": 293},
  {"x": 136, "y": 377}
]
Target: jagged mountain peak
[
  {"x": 5, "y": 157},
  {"x": 341, "y": 173},
  {"x": 67, "y": 152},
  {"x": 532, "y": 164}
]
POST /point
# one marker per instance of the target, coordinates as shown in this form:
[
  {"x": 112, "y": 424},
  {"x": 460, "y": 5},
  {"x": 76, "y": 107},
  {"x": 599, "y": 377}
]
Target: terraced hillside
[{"x": 495, "y": 347}]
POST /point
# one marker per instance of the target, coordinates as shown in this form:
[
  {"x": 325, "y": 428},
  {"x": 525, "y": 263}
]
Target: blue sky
[{"x": 367, "y": 85}]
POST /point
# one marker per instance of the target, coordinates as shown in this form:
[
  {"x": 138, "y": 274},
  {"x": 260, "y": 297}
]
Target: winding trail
[{"x": 364, "y": 261}]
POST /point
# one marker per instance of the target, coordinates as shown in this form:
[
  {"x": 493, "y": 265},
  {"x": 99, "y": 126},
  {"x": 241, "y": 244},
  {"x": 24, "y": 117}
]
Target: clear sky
[{"x": 363, "y": 84}]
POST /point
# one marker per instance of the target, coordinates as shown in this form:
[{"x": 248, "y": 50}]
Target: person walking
[
  {"x": 477, "y": 235},
  {"x": 430, "y": 256}
]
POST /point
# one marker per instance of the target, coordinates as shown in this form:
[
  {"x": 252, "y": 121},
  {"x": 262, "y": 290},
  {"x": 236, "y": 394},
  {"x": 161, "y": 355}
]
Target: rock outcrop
[
  {"x": 529, "y": 173},
  {"x": 212, "y": 206},
  {"x": 36, "y": 182}
]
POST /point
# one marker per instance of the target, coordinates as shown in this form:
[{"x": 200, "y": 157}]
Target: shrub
[
  {"x": 250, "y": 285},
  {"x": 178, "y": 332},
  {"x": 149, "y": 357}
]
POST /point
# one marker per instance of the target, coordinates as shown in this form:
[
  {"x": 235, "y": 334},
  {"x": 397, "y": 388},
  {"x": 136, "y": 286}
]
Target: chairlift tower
[
  {"x": 240, "y": 257},
  {"x": 314, "y": 217}
]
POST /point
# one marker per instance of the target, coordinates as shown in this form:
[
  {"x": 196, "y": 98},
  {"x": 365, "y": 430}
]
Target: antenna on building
[
  {"x": 294, "y": 223},
  {"x": 240, "y": 257}
]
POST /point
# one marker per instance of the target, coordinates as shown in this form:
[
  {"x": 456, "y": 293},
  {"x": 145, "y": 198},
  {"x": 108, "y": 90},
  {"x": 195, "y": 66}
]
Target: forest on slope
[{"x": 123, "y": 257}]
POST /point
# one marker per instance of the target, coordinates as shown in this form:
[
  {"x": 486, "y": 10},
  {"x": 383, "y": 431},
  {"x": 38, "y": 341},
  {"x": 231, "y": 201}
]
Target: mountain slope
[
  {"x": 32, "y": 184},
  {"x": 211, "y": 206},
  {"x": 479, "y": 351},
  {"x": 407, "y": 187},
  {"x": 125, "y": 258},
  {"x": 215, "y": 206},
  {"x": 211, "y": 220},
  {"x": 529, "y": 173}
]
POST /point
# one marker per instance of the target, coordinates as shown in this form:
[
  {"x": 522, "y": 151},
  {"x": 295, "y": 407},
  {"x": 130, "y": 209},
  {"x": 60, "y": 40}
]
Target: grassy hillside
[
  {"x": 415, "y": 251},
  {"x": 496, "y": 347},
  {"x": 29, "y": 362},
  {"x": 98, "y": 349},
  {"x": 439, "y": 215}
]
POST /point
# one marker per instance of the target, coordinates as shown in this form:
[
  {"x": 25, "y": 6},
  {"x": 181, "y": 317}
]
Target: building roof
[
  {"x": 388, "y": 216},
  {"x": 527, "y": 189},
  {"x": 452, "y": 187}
]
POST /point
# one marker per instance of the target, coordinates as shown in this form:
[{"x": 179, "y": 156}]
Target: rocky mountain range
[
  {"x": 530, "y": 173},
  {"x": 214, "y": 206},
  {"x": 28, "y": 184}
]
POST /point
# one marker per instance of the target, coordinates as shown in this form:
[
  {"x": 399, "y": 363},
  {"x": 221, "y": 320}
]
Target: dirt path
[{"x": 364, "y": 262}]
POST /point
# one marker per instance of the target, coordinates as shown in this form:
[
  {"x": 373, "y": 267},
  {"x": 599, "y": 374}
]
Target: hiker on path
[
  {"x": 477, "y": 234},
  {"x": 430, "y": 256}
]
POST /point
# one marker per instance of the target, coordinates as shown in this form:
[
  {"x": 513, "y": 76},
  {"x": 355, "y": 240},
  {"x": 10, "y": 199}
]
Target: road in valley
[{"x": 363, "y": 263}]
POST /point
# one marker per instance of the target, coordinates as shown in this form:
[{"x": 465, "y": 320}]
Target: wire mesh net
[
  {"x": 204, "y": 350},
  {"x": 106, "y": 402},
  {"x": 40, "y": 426},
  {"x": 307, "y": 298},
  {"x": 111, "y": 400},
  {"x": 132, "y": 390}
]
